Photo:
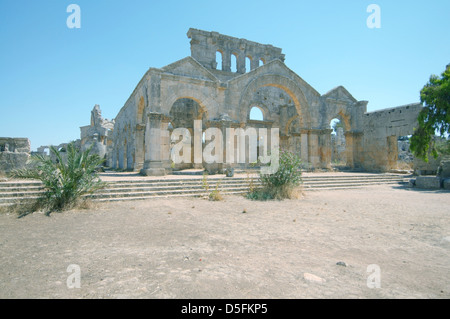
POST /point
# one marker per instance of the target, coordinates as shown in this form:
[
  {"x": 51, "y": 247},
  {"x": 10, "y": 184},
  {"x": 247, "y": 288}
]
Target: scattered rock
[
  {"x": 341, "y": 263},
  {"x": 229, "y": 172},
  {"x": 444, "y": 168},
  {"x": 313, "y": 278},
  {"x": 446, "y": 183}
]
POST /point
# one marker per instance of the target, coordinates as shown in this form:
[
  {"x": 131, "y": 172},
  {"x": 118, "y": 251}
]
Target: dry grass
[
  {"x": 404, "y": 166},
  {"x": 215, "y": 195},
  {"x": 25, "y": 208}
]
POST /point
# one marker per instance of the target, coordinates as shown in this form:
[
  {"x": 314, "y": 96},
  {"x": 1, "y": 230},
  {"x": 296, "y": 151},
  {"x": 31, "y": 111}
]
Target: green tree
[
  {"x": 434, "y": 117},
  {"x": 66, "y": 180}
]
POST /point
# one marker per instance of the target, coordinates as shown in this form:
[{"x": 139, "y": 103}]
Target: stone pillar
[
  {"x": 165, "y": 143},
  {"x": 155, "y": 140},
  {"x": 325, "y": 148},
  {"x": 139, "y": 147},
  {"x": 349, "y": 144},
  {"x": 240, "y": 63},
  {"x": 313, "y": 148},
  {"x": 358, "y": 149},
  {"x": 304, "y": 154},
  {"x": 226, "y": 61},
  {"x": 222, "y": 125},
  {"x": 121, "y": 157}
]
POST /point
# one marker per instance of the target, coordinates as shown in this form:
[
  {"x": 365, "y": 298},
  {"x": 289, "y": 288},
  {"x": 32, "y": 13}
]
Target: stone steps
[{"x": 18, "y": 191}]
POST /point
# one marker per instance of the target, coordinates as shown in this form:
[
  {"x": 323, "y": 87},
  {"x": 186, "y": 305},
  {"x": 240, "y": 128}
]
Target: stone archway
[
  {"x": 300, "y": 141},
  {"x": 287, "y": 85},
  {"x": 183, "y": 112}
]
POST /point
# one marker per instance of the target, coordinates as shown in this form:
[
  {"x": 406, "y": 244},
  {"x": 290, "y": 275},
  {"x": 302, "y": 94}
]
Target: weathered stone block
[
  {"x": 446, "y": 183},
  {"x": 10, "y": 161},
  {"x": 428, "y": 182},
  {"x": 444, "y": 168}
]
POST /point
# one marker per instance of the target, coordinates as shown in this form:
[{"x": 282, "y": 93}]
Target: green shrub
[
  {"x": 215, "y": 195},
  {"x": 284, "y": 183},
  {"x": 67, "y": 180}
]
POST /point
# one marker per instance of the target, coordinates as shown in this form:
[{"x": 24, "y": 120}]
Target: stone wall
[
  {"x": 14, "y": 153},
  {"x": 98, "y": 135},
  {"x": 381, "y": 132},
  {"x": 197, "y": 88}
]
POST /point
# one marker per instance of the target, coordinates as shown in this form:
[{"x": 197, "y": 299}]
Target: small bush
[
  {"x": 215, "y": 195},
  {"x": 284, "y": 183}
]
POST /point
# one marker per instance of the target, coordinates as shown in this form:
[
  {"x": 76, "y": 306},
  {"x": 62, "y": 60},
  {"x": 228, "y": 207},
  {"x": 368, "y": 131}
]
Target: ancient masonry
[
  {"x": 206, "y": 86},
  {"x": 14, "y": 153},
  {"x": 199, "y": 88}
]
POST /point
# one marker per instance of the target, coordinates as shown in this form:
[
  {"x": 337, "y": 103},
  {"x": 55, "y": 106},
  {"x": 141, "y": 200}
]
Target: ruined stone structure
[
  {"x": 98, "y": 135},
  {"x": 14, "y": 153},
  {"x": 204, "y": 87},
  {"x": 338, "y": 146}
]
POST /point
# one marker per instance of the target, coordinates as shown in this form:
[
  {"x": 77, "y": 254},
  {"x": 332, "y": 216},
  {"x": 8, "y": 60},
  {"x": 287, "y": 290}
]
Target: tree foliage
[
  {"x": 65, "y": 180},
  {"x": 434, "y": 117}
]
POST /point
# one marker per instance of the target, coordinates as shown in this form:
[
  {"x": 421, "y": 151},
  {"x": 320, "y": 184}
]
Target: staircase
[{"x": 20, "y": 191}]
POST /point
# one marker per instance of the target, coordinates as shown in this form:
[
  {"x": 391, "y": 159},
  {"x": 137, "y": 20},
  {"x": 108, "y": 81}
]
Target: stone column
[
  {"x": 325, "y": 148},
  {"x": 226, "y": 61},
  {"x": 165, "y": 143},
  {"x": 304, "y": 154},
  {"x": 139, "y": 147},
  {"x": 349, "y": 149},
  {"x": 155, "y": 141},
  {"x": 313, "y": 148},
  {"x": 240, "y": 63},
  {"x": 358, "y": 149}
]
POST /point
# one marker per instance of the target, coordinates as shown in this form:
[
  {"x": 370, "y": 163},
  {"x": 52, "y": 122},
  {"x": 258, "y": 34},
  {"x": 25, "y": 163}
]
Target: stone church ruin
[
  {"x": 221, "y": 84},
  {"x": 208, "y": 86}
]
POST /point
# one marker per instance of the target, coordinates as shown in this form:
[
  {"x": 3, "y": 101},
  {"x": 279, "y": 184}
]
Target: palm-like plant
[{"x": 66, "y": 181}]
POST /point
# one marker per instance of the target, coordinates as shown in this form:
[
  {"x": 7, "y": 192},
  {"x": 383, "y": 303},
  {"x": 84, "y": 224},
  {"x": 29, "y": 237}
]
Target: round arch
[
  {"x": 343, "y": 117},
  {"x": 205, "y": 101},
  {"x": 263, "y": 111},
  {"x": 283, "y": 83}
]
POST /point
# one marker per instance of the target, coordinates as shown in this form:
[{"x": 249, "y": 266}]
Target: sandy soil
[{"x": 195, "y": 248}]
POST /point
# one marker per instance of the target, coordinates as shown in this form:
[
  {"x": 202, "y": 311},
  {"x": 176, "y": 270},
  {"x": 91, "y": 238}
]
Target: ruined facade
[
  {"x": 98, "y": 135},
  {"x": 209, "y": 86},
  {"x": 14, "y": 153}
]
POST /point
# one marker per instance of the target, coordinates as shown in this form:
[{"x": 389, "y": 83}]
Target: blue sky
[{"x": 52, "y": 76}]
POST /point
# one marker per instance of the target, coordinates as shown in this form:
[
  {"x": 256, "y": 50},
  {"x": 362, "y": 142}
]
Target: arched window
[
  {"x": 261, "y": 62},
  {"x": 219, "y": 60},
  {"x": 233, "y": 63},
  {"x": 256, "y": 114},
  {"x": 338, "y": 144},
  {"x": 334, "y": 125},
  {"x": 248, "y": 63}
]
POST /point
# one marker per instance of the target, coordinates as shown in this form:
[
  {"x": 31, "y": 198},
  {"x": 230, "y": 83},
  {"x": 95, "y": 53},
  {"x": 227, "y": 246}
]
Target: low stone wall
[
  {"x": 439, "y": 180},
  {"x": 14, "y": 153}
]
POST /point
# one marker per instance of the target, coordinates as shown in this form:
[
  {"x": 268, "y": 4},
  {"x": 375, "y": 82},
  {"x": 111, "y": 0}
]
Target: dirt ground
[{"x": 195, "y": 248}]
